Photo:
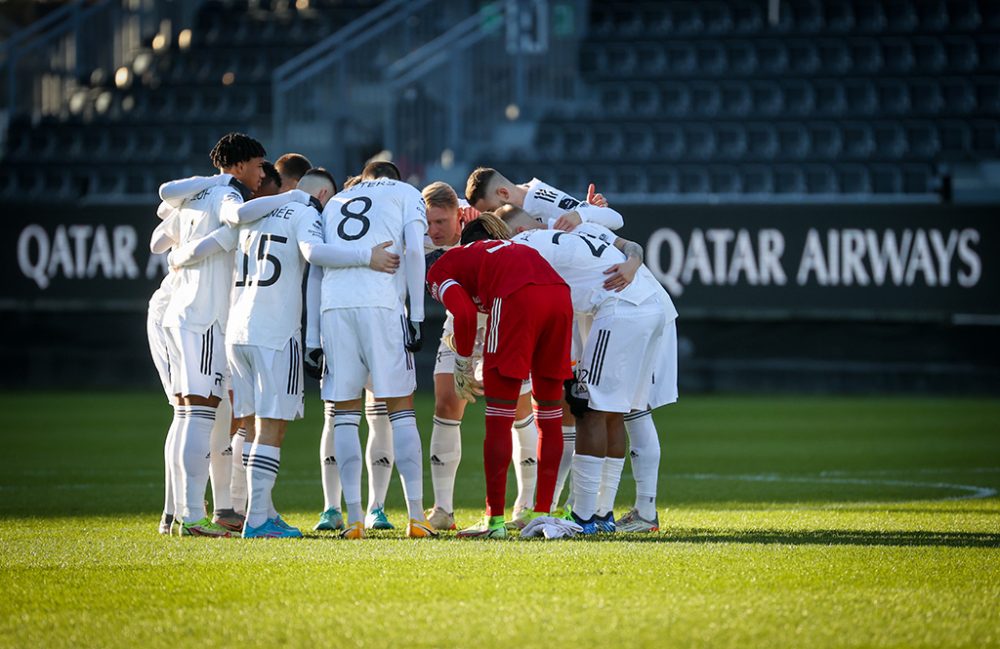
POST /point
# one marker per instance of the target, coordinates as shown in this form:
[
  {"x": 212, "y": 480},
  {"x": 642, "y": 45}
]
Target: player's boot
[
  {"x": 229, "y": 519},
  {"x": 491, "y": 527},
  {"x": 377, "y": 520},
  {"x": 204, "y": 527},
  {"x": 354, "y": 531},
  {"x": 166, "y": 524},
  {"x": 632, "y": 522},
  {"x": 589, "y": 526},
  {"x": 440, "y": 519},
  {"x": 267, "y": 530},
  {"x": 606, "y": 523},
  {"x": 330, "y": 520},
  {"x": 521, "y": 518},
  {"x": 281, "y": 523},
  {"x": 420, "y": 529}
]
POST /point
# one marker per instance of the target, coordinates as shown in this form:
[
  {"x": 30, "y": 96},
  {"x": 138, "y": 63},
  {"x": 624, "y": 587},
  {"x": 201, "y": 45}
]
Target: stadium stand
[{"x": 842, "y": 99}]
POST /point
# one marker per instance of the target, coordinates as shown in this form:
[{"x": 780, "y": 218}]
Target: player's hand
[
  {"x": 597, "y": 200},
  {"x": 313, "y": 365},
  {"x": 466, "y": 385},
  {"x": 466, "y": 214},
  {"x": 414, "y": 336},
  {"x": 382, "y": 260},
  {"x": 621, "y": 275},
  {"x": 568, "y": 221}
]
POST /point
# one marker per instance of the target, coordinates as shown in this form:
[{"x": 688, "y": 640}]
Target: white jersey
[
  {"x": 267, "y": 285},
  {"x": 545, "y": 202},
  {"x": 202, "y": 293},
  {"x": 370, "y": 213},
  {"x": 581, "y": 259}
]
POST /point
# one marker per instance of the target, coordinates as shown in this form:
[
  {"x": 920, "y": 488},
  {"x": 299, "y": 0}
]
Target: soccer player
[
  {"x": 628, "y": 365},
  {"x": 194, "y": 319},
  {"x": 487, "y": 189},
  {"x": 366, "y": 331},
  {"x": 528, "y": 332},
  {"x": 271, "y": 184},
  {"x": 291, "y": 167}
]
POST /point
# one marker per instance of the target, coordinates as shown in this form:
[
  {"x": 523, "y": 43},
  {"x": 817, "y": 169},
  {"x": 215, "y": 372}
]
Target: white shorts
[
  {"x": 664, "y": 388},
  {"x": 158, "y": 351},
  {"x": 622, "y": 354},
  {"x": 364, "y": 341},
  {"x": 197, "y": 361},
  {"x": 267, "y": 382}
]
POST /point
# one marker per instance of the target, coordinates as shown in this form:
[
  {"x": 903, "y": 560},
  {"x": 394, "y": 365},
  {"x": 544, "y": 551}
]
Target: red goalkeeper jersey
[{"x": 488, "y": 270}]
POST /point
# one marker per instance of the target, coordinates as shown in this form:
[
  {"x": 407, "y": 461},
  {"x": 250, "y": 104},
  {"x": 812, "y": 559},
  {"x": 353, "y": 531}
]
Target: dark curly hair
[{"x": 234, "y": 148}]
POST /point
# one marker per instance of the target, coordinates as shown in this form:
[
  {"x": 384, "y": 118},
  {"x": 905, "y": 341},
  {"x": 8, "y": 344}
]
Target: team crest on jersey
[
  {"x": 546, "y": 195},
  {"x": 434, "y": 290},
  {"x": 568, "y": 203}
]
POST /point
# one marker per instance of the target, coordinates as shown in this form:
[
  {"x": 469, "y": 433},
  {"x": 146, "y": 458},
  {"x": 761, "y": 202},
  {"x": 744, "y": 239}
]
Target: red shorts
[{"x": 530, "y": 332}]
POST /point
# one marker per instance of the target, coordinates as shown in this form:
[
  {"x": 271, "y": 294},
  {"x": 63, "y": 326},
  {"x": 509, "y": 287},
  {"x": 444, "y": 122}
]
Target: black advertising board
[{"x": 895, "y": 262}]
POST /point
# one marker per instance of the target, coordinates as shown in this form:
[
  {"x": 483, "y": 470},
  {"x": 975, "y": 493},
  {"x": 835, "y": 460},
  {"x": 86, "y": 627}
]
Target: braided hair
[{"x": 234, "y": 148}]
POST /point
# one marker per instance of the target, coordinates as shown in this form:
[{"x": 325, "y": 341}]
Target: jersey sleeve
[
  {"x": 229, "y": 206},
  {"x": 308, "y": 226},
  {"x": 414, "y": 208},
  {"x": 226, "y": 237}
]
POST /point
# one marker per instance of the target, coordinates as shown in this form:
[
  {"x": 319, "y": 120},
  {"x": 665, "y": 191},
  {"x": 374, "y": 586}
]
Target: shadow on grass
[{"x": 751, "y": 537}]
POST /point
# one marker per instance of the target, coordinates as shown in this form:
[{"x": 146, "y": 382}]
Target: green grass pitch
[{"x": 787, "y": 522}]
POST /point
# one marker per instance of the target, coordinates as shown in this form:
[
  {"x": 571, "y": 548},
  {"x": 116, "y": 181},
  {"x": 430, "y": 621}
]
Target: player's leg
[
  {"x": 379, "y": 460},
  {"x": 394, "y": 379},
  {"x": 644, "y": 439},
  {"x": 161, "y": 361},
  {"x": 262, "y": 469},
  {"x": 221, "y": 469},
  {"x": 201, "y": 370},
  {"x": 331, "y": 518},
  {"x": 169, "y": 452},
  {"x": 644, "y": 454},
  {"x": 566, "y": 460},
  {"x": 588, "y": 464},
  {"x": 238, "y": 484},
  {"x": 524, "y": 436},
  {"x": 547, "y": 393},
  {"x": 611, "y": 474},
  {"x": 446, "y": 440},
  {"x": 501, "y": 393},
  {"x": 342, "y": 336}
]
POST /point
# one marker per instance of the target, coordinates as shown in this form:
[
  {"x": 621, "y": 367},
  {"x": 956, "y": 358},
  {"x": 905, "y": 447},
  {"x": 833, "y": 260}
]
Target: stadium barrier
[{"x": 782, "y": 297}]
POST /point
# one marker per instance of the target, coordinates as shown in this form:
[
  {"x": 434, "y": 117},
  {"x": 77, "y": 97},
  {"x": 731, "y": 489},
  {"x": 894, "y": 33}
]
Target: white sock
[
  {"x": 238, "y": 483},
  {"x": 644, "y": 443},
  {"x": 525, "y": 459},
  {"x": 347, "y": 449},
  {"x": 262, "y": 471},
  {"x": 194, "y": 448},
  {"x": 379, "y": 453},
  {"x": 611, "y": 477},
  {"x": 221, "y": 460},
  {"x": 565, "y": 463},
  {"x": 586, "y": 483},
  {"x": 328, "y": 461},
  {"x": 169, "y": 452},
  {"x": 409, "y": 460},
  {"x": 446, "y": 453}
]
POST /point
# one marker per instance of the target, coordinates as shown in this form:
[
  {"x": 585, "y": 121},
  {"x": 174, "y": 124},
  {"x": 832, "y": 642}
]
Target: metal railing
[
  {"x": 430, "y": 82},
  {"x": 479, "y": 89}
]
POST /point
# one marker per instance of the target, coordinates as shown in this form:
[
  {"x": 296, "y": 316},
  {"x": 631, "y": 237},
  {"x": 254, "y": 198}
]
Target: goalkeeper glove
[
  {"x": 314, "y": 363},
  {"x": 466, "y": 385},
  {"x": 414, "y": 336}
]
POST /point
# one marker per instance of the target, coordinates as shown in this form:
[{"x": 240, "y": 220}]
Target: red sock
[
  {"x": 496, "y": 455},
  {"x": 550, "y": 448},
  {"x": 550, "y": 439}
]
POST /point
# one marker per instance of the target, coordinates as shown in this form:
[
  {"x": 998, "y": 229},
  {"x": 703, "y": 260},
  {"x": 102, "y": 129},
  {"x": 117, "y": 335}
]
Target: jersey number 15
[{"x": 263, "y": 255}]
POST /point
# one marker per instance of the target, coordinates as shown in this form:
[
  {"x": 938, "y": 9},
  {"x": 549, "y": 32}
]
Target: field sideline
[{"x": 788, "y": 522}]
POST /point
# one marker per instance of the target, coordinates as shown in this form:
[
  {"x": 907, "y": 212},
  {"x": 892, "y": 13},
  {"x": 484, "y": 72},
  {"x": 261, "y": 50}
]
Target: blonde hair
[
  {"x": 494, "y": 225},
  {"x": 439, "y": 194}
]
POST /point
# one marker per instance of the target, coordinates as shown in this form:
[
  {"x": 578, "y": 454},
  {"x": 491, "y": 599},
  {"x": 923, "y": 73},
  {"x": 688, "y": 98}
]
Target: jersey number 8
[{"x": 355, "y": 216}]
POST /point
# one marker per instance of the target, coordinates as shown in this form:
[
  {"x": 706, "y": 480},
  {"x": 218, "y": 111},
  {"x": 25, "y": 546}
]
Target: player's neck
[{"x": 517, "y": 195}]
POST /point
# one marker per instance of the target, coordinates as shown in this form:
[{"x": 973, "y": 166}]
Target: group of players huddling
[{"x": 552, "y": 318}]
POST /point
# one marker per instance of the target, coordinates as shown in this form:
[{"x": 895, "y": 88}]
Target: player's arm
[
  {"x": 222, "y": 239},
  {"x": 166, "y": 234},
  {"x": 314, "y": 297},
  {"x": 415, "y": 271},
  {"x": 341, "y": 255},
  {"x": 175, "y": 192},
  {"x": 460, "y": 305},
  {"x": 258, "y": 208},
  {"x": 621, "y": 275}
]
